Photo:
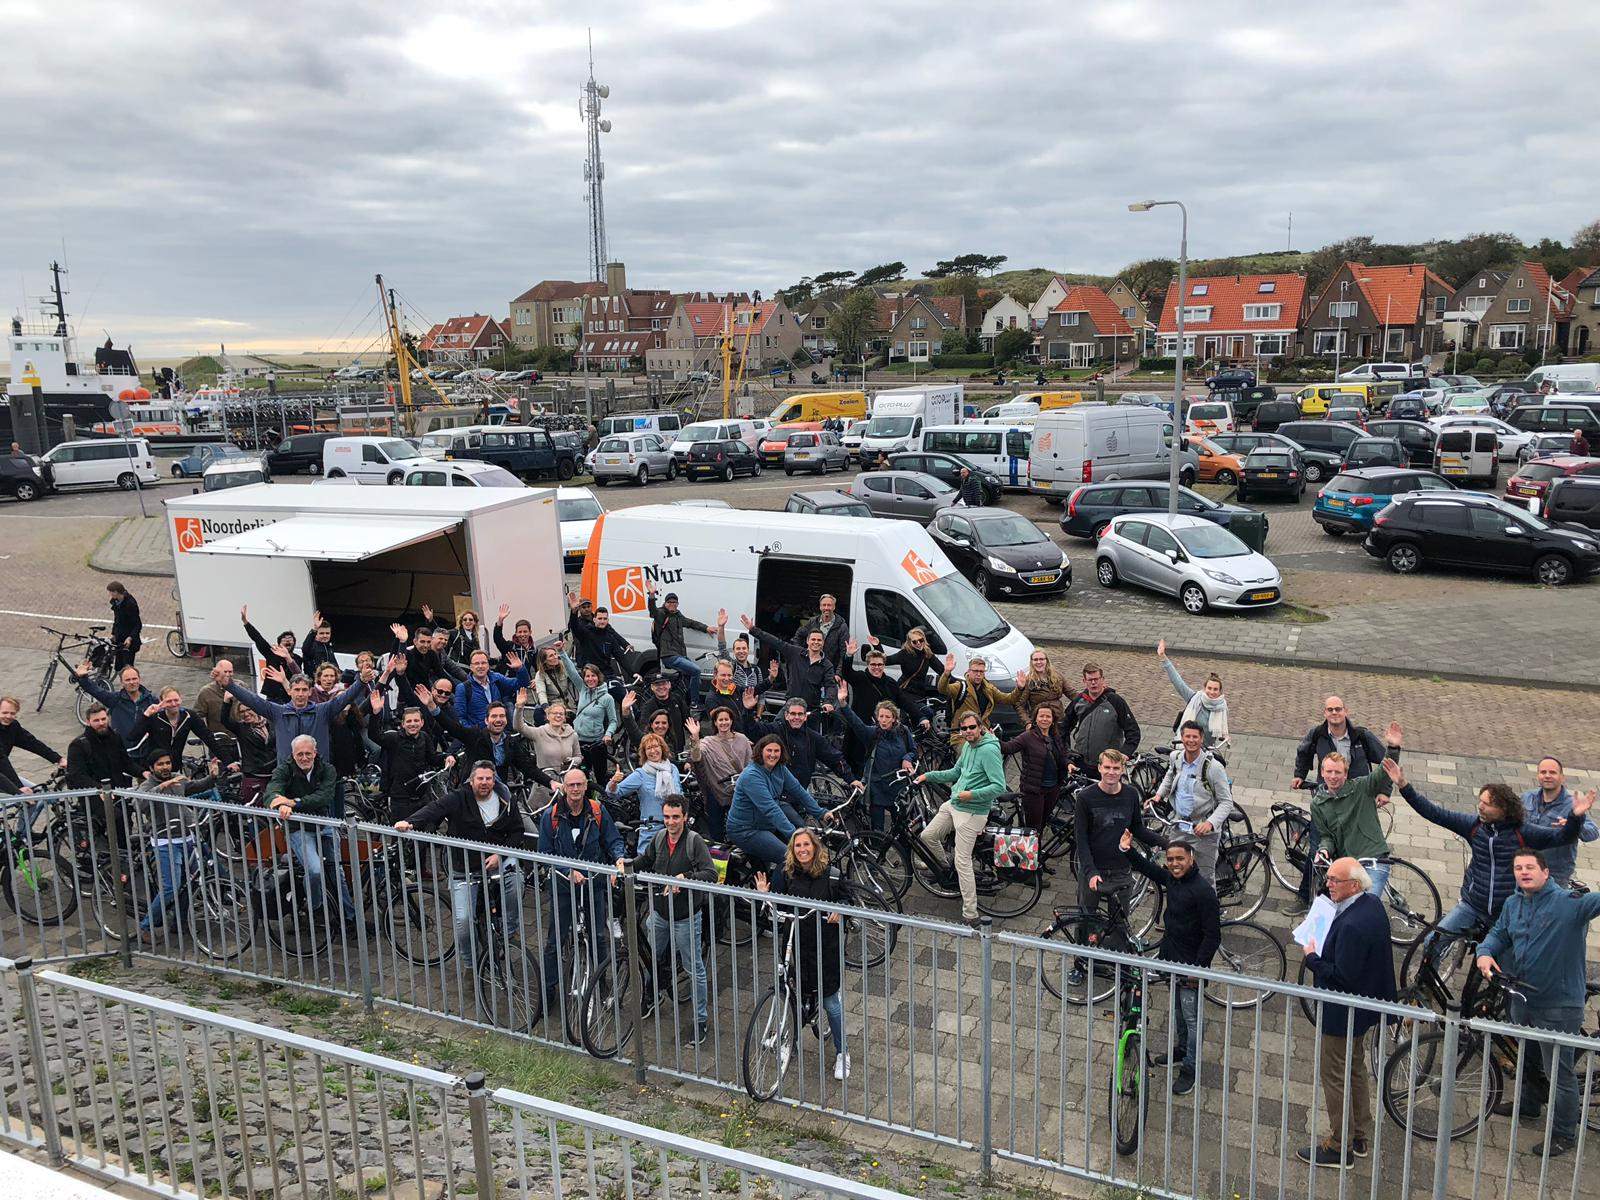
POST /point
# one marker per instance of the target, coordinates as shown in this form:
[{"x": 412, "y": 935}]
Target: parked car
[
  {"x": 775, "y": 444},
  {"x": 576, "y": 511},
  {"x": 1002, "y": 552},
  {"x": 1187, "y": 557},
  {"x": 1208, "y": 416},
  {"x": 1385, "y": 370},
  {"x": 1148, "y": 400},
  {"x": 1561, "y": 416},
  {"x": 1232, "y": 377},
  {"x": 1472, "y": 530},
  {"x": 640, "y": 457},
  {"x": 1349, "y": 501},
  {"x": 1349, "y": 414},
  {"x": 1544, "y": 445},
  {"x": 101, "y": 462},
  {"x": 1273, "y": 471},
  {"x": 1092, "y": 508},
  {"x": 827, "y": 504},
  {"x": 1528, "y": 486},
  {"x": 1574, "y": 499},
  {"x": 1465, "y": 403},
  {"x": 231, "y": 472},
  {"x": 1330, "y": 437},
  {"x": 1461, "y": 381},
  {"x": 1216, "y": 464},
  {"x": 948, "y": 468},
  {"x": 820, "y": 452},
  {"x": 22, "y": 478},
  {"x": 1244, "y": 400},
  {"x": 910, "y": 495},
  {"x": 1273, "y": 413},
  {"x": 723, "y": 460},
  {"x": 1374, "y": 452},
  {"x": 460, "y": 474},
  {"x": 1419, "y": 439},
  {"x": 1407, "y": 407},
  {"x": 299, "y": 452},
  {"x": 197, "y": 460}
]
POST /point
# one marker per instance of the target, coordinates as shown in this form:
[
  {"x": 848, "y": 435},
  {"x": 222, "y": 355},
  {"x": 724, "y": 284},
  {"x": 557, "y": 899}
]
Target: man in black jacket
[
  {"x": 971, "y": 489},
  {"x": 1191, "y": 935},
  {"x": 808, "y": 671},
  {"x": 166, "y": 726},
  {"x": 674, "y": 921},
  {"x": 659, "y": 698},
  {"x": 126, "y": 624},
  {"x": 1363, "y": 751},
  {"x": 1102, "y": 813},
  {"x": 830, "y": 625},
  {"x": 408, "y": 752},
  {"x": 494, "y": 742},
  {"x": 594, "y": 639},
  {"x": 1099, "y": 719},
  {"x": 666, "y": 631},
  {"x": 318, "y": 646},
  {"x": 803, "y": 746},
  {"x": 97, "y": 755}
]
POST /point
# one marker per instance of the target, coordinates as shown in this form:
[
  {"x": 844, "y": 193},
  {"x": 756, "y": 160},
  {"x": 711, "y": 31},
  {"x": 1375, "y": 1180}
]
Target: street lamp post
[
  {"x": 1387, "y": 300},
  {"x": 1179, "y": 411}
]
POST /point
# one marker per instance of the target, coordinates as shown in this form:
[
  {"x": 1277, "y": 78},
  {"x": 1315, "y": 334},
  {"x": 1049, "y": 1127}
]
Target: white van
[
  {"x": 1467, "y": 454},
  {"x": 1091, "y": 442},
  {"x": 712, "y": 431},
  {"x": 1012, "y": 412},
  {"x": 99, "y": 462},
  {"x": 899, "y": 417},
  {"x": 369, "y": 459},
  {"x": 665, "y": 423},
  {"x": 1568, "y": 377},
  {"x": 459, "y": 474},
  {"x": 1001, "y": 450},
  {"x": 888, "y": 576},
  {"x": 1210, "y": 416}
]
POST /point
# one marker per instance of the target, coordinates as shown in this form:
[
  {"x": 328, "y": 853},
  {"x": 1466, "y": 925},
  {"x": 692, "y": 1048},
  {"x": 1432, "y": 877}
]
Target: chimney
[{"x": 616, "y": 279}]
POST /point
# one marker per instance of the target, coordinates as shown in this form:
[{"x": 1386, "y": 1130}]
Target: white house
[
  {"x": 1006, "y": 313},
  {"x": 1039, "y": 311}
]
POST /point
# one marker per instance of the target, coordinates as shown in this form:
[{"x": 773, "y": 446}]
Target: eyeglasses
[
  {"x": 444, "y": 691},
  {"x": 1334, "y": 708},
  {"x": 969, "y": 729}
]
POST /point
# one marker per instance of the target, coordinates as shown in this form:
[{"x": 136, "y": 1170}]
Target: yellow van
[
  {"x": 1313, "y": 398},
  {"x": 1049, "y": 400},
  {"x": 815, "y": 406}
]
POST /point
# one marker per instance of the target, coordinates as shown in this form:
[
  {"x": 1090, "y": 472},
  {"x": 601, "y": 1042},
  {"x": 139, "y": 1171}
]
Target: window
[
  {"x": 1397, "y": 341},
  {"x": 1342, "y": 308},
  {"x": 1159, "y": 540},
  {"x": 1070, "y": 318},
  {"x": 1134, "y": 497},
  {"x": 425, "y": 479},
  {"x": 917, "y": 351},
  {"x": 1262, "y": 312},
  {"x": 1018, "y": 443},
  {"x": 1515, "y": 305},
  {"x": 999, "y": 324},
  {"x": 910, "y": 487},
  {"x": 1439, "y": 303},
  {"x": 461, "y": 481},
  {"x": 1486, "y": 522},
  {"x": 1477, "y": 305},
  {"x": 1267, "y": 287},
  {"x": 1521, "y": 282},
  {"x": 1272, "y": 343},
  {"x": 1133, "y": 531},
  {"x": 1200, "y": 289},
  {"x": 370, "y": 454},
  {"x": 1445, "y": 518},
  {"x": 987, "y": 442},
  {"x": 890, "y": 615},
  {"x": 919, "y": 323},
  {"x": 1328, "y": 341},
  {"x": 1507, "y": 337},
  {"x": 878, "y": 484},
  {"x": 1199, "y": 314}
]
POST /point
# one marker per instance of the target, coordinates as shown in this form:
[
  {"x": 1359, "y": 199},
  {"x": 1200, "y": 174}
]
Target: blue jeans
[
  {"x": 684, "y": 933},
  {"x": 1565, "y": 1019},
  {"x": 1463, "y": 918},
  {"x": 464, "y": 903},
  {"x": 690, "y": 671},
  {"x": 834, "y": 1006},
  {"x": 764, "y": 848},
  {"x": 1186, "y": 1026},
  {"x": 311, "y": 848},
  {"x": 172, "y": 866}
]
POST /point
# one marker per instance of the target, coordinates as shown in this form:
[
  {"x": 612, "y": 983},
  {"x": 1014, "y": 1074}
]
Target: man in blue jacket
[
  {"x": 576, "y": 827},
  {"x": 1355, "y": 959},
  {"x": 126, "y": 707},
  {"x": 1542, "y": 928},
  {"x": 300, "y": 715},
  {"x": 1549, "y": 805},
  {"x": 767, "y": 802},
  {"x": 483, "y": 687}
]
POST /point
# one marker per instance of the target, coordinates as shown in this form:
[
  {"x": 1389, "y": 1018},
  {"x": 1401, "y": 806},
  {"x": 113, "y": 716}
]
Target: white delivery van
[
  {"x": 899, "y": 417},
  {"x": 369, "y": 459},
  {"x": 1002, "y": 450},
  {"x": 1091, "y": 442},
  {"x": 712, "y": 431},
  {"x": 363, "y": 557},
  {"x": 1568, "y": 377},
  {"x": 888, "y": 576},
  {"x": 1012, "y": 412},
  {"x": 666, "y": 424}
]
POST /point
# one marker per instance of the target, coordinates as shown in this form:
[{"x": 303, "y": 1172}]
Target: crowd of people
[{"x": 566, "y": 738}]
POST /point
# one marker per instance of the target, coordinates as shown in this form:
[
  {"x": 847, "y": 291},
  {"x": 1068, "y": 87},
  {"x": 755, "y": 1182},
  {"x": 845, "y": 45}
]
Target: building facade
[{"x": 1235, "y": 318}]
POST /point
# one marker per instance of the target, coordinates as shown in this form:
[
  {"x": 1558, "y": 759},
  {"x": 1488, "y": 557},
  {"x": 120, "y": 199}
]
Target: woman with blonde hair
[
  {"x": 652, "y": 781},
  {"x": 1043, "y": 688},
  {"x": 819, "y": 951}
]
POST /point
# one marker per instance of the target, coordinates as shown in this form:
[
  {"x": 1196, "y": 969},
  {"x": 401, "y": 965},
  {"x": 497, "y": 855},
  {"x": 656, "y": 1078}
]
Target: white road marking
[
  {"x": 106, "y": 620},
  {"x": 65, "y": 516}
]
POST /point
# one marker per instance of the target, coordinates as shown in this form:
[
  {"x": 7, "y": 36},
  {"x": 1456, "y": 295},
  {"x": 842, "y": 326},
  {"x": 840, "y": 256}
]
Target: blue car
[
  {"x": 1348, "y": 502},
  {"x": 194, "y": 464}
]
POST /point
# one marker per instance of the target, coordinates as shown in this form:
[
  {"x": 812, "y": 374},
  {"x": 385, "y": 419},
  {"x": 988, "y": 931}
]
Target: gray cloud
[{"x": 246, "y": 169}]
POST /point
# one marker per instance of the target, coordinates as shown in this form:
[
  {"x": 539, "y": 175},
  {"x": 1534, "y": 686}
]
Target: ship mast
[{"x": 55, "y": 302}]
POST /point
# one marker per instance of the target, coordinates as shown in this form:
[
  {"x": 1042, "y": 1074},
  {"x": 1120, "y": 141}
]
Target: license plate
[
  {"x": 1047, "y": 577},
  {"x": 1335, "y": 503},
  {"x": 802, "y": 454},
  {"x": 1268, "y": 475},
  {"x": 1262, "y": 595},
  {"x": 1526, "y": 491},
  {"x": 1045, "y": 484},
  {"x": 611, "y": 462}
]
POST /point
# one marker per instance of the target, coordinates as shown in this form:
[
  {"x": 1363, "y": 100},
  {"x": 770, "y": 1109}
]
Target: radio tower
[{"x": 594, "y": 172}]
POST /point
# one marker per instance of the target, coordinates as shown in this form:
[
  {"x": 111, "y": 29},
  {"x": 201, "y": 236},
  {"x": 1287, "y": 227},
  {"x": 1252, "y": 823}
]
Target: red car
[{"x": 1532, "y": 479}]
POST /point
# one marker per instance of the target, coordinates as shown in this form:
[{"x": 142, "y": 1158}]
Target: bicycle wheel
[
  {"x": 1243, "y": 880},
  {"x": 734, "y": 919},
  {"x": 1078, "y": 979},
  {"x": 419, "y": 926},
  {"x": 1005, "y": 892},
  {"x": 1144, "y": 907},
  {"x": 176, "y": 646},
  {"x": 219, "y": 918},
  {"x": 46, "y": 682},
  {"x": 84, "y": 702},
  {"x": 940, "y": 882},
  {"x": 1249, "y": 950},
  {"x": 1413, "y": 1079},
  {"x": 1130, "y": 1097},
  {"x": 40, "y": 884},
  {"x": 868, "y": 943},
  {"x": 509, "y": 992},
  {"x": 893, "y": 859},
  {"x": 1287, "y": 839},
  {"x": 1146, "y": 774},
  {"x": 770, "y": 1041},
  {"x": 607, "y": 1007},
  {"x": 1412, "y": 900}
]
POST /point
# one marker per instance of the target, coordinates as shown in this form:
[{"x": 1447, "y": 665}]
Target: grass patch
[
  {"x": 1299, "y": 614},
  {"x": 97, "y": 970},
  {"x": 303, "y": 1004},
  {"x": 530, "y": 1068}
]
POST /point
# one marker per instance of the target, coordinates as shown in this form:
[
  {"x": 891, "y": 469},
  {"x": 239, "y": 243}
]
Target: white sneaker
[
  {"x": 841, "y": 1066},
  {"x": 616, "y": 929}
]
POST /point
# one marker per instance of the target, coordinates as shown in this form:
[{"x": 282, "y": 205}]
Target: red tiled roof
[
  {"x": 1560, "y": 297},
  {"x": 1394, "y": 293},
  {"x": 1108, "y": 319},
  {"x": 709, "y": 320},
  {"x": 1226, "y": 295},
  {"x": 559, "y": 289},
  {"x": 462, "y": 332}
]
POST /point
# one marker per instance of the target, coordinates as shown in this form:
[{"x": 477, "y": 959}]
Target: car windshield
[
  {"x": 398, "y": 450},
  {"x": 1210, "y": 541},
  {"x": 1010, "y": 530},
  {"x": 957, "y": 606},
  {"x": 1537, "y": 471},
  {"x": 232, "y": 479},
  {"x": 582, "y": 508},
  {"x": 700, "y": 433},
  {"x": 496, "y": 477},
  {"x": 890, "y": 427}
]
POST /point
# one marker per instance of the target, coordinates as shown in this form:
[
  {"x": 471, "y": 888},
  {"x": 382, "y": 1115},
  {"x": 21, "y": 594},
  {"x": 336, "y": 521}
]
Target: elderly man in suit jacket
[{"x": 1355, "y": 958}]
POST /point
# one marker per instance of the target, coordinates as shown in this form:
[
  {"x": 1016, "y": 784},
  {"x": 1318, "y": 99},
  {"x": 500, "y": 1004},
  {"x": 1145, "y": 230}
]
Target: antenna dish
[
  {"x": 605, "y": 126},
  {"x": 604, "y": 90}
]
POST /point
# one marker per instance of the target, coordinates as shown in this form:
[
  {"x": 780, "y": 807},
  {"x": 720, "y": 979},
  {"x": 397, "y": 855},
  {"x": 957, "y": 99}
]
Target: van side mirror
[{"x": 1174, "y": 556}]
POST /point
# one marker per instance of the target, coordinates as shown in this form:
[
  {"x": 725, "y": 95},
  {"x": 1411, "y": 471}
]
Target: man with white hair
[{"x": 305, "y": 784}]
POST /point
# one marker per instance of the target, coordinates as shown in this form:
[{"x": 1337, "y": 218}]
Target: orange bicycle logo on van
[
  {"x": 626, "y": 586},
  {"x": 189, "y": 533},
  {"x": 918, "y": 568}
]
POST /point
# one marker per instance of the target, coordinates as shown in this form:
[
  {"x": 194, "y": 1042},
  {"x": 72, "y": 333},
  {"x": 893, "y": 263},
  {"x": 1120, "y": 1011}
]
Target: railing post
[
  {"x": 119, "y": 915},
  {"x": 630, "y": 931},
  {"x": 478, "y": 1119},
  {"x": 359, "y": 896},
  {"x": 1447, "y": 1104},
  {"x": 986, "y": 1039},
  {"x": 41, "y": 1074}
]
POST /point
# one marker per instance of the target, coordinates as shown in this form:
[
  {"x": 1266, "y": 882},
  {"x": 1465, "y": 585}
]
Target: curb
[
  {"x": 99, "y": 563},
  {"x": 1329, "y": 664}
]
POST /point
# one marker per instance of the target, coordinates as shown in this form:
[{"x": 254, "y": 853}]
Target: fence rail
[{"x": 1004, "y": 1044}]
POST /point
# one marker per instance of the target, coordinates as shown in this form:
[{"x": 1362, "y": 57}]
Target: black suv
[
  {"x": 19, "y": 477},
  {"x": 1374, "y": 452},
  {"x": 298, "y": 452},
  {"x": 1245, "y": 400},
  {"x": 1329, "y": 437},
  {"x": 1273, "y": 471},
  {"x": 722, "y": 460},
  {"x": 1573, "y": 499},
  {"x": 1235, "y": 377},
  {"x": 1480, "y": 532},
  {"x": 1419, "y": 438},
  {"x": 1271, "y": 414},
  {"x": 1091, "y": 507}
]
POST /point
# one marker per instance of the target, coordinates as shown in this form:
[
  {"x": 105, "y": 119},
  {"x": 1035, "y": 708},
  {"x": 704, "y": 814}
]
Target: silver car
[
  {"x": 908, "y": 495},
  {"x": 640, "y": 457},
  {"x": 1196, "y": 560},
  {"x": 820, "y": 452}
]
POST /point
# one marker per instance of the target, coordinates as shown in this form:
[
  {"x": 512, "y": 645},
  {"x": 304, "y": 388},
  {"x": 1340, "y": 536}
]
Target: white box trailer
[{"x": 363, "y": 557}]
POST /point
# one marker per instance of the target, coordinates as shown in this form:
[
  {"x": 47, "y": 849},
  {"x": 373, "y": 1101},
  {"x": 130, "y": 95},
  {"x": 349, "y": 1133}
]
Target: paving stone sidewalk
[{"x": 135, "y": 546}]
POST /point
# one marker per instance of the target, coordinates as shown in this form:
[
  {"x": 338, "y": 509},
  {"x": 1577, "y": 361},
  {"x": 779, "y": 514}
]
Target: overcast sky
[{"x": 238, "y": 172}]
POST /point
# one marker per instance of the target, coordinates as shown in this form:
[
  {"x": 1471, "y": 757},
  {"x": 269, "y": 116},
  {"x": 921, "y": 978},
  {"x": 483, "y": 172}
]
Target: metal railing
[
  {"x": 1004, "y": 1044},
  {"x": 179, "y": 1101}
]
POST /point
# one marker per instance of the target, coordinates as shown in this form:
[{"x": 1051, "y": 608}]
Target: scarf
[
  {"x": 1209, "y": 714},
  {"x": 660, "y": 777}
]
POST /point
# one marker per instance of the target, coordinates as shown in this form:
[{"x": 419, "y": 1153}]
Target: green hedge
[{"x": 963, "y": 360}]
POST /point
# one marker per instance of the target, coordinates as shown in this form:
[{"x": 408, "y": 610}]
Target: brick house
[
  {"x": 692, "y": 338},
  {"x": 620, "y": 328},
  {"x": 1583, "y": 338},
  {"x": 549, "y": 313},
  {"x": 1524, "y": 312},
  {"x": 473, "y": 339},
  {"x": 1086, "y": 328},
  {"x": 1005, "y": 313},
  {"x": 912, "y": 328},
  {"x": 813, "y": 320},
  {"x": 1467, "y": 305},
  {"x": 1238, "y": 318},
  {"x": 1365, "y": 312}
]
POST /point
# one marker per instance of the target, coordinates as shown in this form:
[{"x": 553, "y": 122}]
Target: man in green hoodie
[
  {"x": 977, "y": 778},
  {"x": 1344, "y": 816}
]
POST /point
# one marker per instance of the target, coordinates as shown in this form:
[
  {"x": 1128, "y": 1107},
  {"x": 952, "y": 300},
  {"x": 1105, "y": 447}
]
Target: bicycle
[
  {"x": 1436, "y": 979},
  {"x": 1289, "y": 832},
  {"x": 99, "y": 652},
  {"x": 36, "y": 868},
  {"x": 866, "y": 943},
  {"x": 1243, "y": 877},
  {"x": 507, "y": 981},
  {"x": 772, "y": 1034}
]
